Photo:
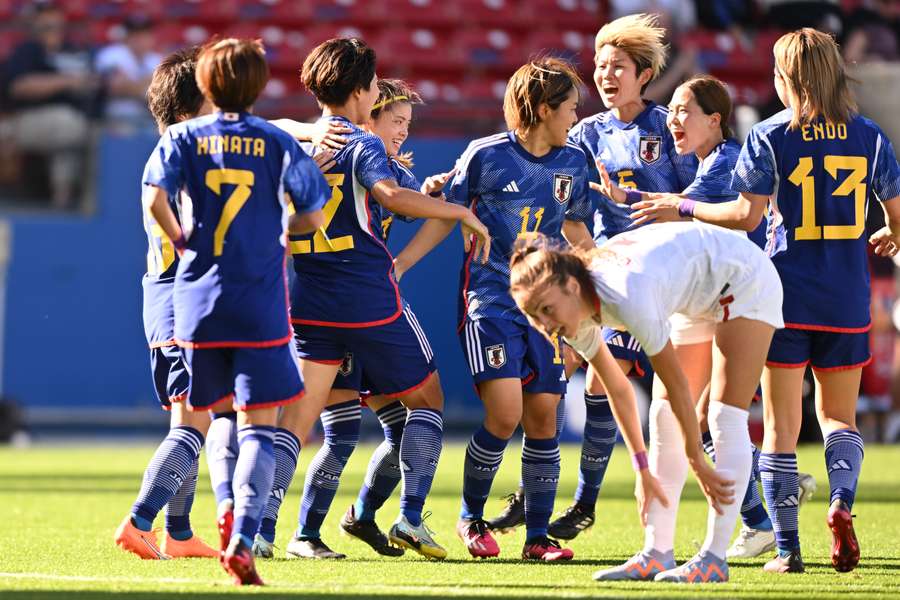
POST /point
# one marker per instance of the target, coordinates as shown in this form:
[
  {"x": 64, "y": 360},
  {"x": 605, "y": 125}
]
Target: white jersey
[{"x": 645, "y": 276}]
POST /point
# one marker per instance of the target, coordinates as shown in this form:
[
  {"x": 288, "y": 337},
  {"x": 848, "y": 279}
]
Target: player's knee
[
  {"x": 503, "y": 425},
  {"x": 429, "y": 395},
  {"x": 541, "y": 426},
  {"x": 182, "y": 417}
]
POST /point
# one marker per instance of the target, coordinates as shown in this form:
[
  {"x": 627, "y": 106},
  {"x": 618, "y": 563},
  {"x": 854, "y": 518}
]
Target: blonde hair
[
  {"x": 810, "y": 64},
  {"x": 640, "y": 37},
  {"x": 546, "y": 80},
  {"x": 391, "y": 92},
  {"x": 537, "y": 261}
]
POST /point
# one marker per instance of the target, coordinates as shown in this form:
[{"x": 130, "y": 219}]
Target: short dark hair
[
  {"x": 173, "y": 93},
  {"x": 544, "y": 80},
  {"x": 337, "y": 68},
  {"x": 232, "y": 72},
  {"x": 712, "y": 97}
]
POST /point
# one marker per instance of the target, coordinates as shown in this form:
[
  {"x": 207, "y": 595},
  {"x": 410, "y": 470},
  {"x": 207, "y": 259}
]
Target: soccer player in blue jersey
[
  {"x": 524, "y": 181},
  {"x": 389, "y": 120},
  {"x": 242, "y": 175},
  {"x": 815, "y": 164},
  {"x": 171, "y": 477},
  {"x": 346, "y": 298},
  {"x": 632, "y": 141}
]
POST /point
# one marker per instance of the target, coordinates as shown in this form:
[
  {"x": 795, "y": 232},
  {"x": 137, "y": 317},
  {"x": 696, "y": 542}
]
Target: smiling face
[
  {"x": 392, "y": 126},
  {"x": 553, "y": 308},
  {"x": 558, "y": 121},
  {"x": 616, "y": 77},
  {"x": 691, "y": 128}
]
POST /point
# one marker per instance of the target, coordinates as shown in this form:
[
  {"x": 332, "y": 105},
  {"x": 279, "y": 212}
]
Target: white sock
[
  {"x": 728, "y": 427},
  {"x": 670, "y": 466}
]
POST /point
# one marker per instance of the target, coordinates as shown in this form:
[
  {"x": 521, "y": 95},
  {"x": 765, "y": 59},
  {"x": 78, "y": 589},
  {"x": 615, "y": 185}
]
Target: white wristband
[{"x": 587, "y": 340}]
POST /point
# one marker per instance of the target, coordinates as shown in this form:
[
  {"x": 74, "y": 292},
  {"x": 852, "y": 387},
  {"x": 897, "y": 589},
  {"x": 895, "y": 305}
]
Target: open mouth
[{"x": 678, "y": 136}]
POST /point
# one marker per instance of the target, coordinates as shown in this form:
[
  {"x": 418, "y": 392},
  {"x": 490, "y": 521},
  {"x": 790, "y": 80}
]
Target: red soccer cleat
[
  {"x": 477, "y": 537},
  {"x": 225, "y": 524},
  {"x": 844, "y": 545},
  {"x": 546, "y": 549},
  {"x": 238, "y": 562}
]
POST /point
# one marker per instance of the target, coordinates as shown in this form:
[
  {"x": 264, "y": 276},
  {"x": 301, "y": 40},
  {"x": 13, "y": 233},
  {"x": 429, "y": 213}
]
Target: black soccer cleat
[
  {"x": 368, "y": 532},
  {"x": 573, "y": 521},
  {"x": 512, "y": 516},
  {"x": 785, "y": 562},
  {"x": 311, "y": 548}
]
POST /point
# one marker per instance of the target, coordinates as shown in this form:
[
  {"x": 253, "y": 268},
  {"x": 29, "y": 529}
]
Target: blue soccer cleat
[
  {"x": 643, "y": 566},
  {"x": 705, "y": 567}
]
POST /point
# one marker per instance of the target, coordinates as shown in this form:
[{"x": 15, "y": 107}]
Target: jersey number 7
[
  {"x": 854, "y": 183},
  {"x": 243, "y": 180}
]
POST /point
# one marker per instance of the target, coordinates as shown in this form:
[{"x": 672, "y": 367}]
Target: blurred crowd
[{"x": 56, "y": 94}]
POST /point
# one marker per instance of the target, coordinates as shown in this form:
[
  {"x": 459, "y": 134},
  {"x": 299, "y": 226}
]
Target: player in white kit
[{"x": 638, "y": 281}]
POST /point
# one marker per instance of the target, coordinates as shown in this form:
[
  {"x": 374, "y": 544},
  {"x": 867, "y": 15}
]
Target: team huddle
[{"x": 569, "y": 261}]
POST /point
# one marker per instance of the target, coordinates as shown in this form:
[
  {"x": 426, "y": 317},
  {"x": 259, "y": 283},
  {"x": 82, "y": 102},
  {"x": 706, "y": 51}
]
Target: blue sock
[
  {"x": 178, "y": 510},
  {"x": 341, "y": 425},
  {"x": 753, "y": 513},
  {"x": 483, "y": 456},
  {"x": 540, "y": 474},
  {"x": 221, "y": 454},
  {"x": 781, "y": 489},
  {"x": 383, "y": 474},
  {"x": 599, "y": 441},
  {"x": 560, "y": 416},
  {"x": 168, "y": 469},
  {"x": 287, "y": 449},
  {"x": 420, "y": 451},
  {"x": 253, "y": 476},
  {"x": 843, "y": 459}
]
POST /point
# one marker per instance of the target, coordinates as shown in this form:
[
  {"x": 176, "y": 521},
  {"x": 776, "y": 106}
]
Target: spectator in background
[
  {"x": 873, "y": 32},
  {"x": 824, "y": 15},
  {"x": 50, "y": 89},
  {"x": 683, "y": 60},
  {"x": 126, "y": 68},
  {"x": 679, "y": 14}
]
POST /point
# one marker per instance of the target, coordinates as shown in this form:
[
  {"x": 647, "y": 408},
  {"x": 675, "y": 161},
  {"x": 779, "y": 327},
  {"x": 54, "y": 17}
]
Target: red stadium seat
[
  {"x": 170, "y": 36},
  {"x": 494, "y": 49},
  {"x": 423, "y": 13},
  {"x": 574, "y": 46},
  {"x": 286, "y": 13},
  {"x": 357, "y": 12},
  {"x": 205, "y": 12},
  {"x": 493, "y": 13},
  {"x": 420, "y": 48},
  {"x": 582, "y": 15}
]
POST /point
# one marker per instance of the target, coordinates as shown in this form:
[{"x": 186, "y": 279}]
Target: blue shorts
[
  {"x": 500, "y": 348},
  {"x": 824, "y": 350},
  {"x": 624, "y": 347},
  {"x": 398, "y": 356},
  {"x": 170, "y": 375},
  {"x": 253, "y": 377}
]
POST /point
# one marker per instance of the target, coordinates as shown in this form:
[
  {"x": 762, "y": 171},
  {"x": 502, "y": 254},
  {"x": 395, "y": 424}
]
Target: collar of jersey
[
  {"x": 220, "y": 115},
  {"x": 511, "y": 135},
  {"x": 633, "y": 123}
]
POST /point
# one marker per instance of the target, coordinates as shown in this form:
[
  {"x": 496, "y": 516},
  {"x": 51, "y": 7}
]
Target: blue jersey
[
  {"x": 345, "y": 273},
  {"x": 639, "y": 155},
  {"x": 713, "y": 181},
  {"x": 159, "y": 281},
  {"x": 820, "y": 178},
  {"x": 405, "y": 179},
  {"x": 515, "y": 195},
  {"x": 237, "y": 169}
]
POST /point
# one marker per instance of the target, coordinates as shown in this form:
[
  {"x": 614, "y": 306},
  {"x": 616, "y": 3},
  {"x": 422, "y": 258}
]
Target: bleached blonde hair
[
  {"x": 639, "y": 36},
  {"x": 810, "y": 64}
]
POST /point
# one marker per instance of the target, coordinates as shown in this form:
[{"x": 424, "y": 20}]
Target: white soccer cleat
[
  {"x": 418, "y": 539},
  {"x": 750, "y": 543},
  {"x": 262, "y": 548},
  {"x": 808, "y": 487}
]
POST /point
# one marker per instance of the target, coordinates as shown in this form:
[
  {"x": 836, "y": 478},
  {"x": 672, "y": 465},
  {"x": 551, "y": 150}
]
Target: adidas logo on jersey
[
  {"x": 789, "y": 502},
  {"x": 511, "y": 187},
  {"x": 840, "y": 465}
]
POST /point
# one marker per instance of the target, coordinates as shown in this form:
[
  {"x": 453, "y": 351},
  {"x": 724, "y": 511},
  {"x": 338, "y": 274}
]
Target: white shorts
[{"x": 757, "y": 296}]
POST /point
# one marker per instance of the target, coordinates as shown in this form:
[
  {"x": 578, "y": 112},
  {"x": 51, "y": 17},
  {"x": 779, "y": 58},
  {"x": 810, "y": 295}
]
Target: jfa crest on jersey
[
  {"x": 238, "y": 171},
  {"x": 344, "y": 271},
  {"x": 650, "y": 148},
  {"x": 515, "y": 195},
  {"x": 562, "y": 187},
  {"x": 639, "y": 155},
  {"x": 820, "y": 177}
]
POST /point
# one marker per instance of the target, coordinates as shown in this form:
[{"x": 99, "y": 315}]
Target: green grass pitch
[{"x": 61, "y": 505}]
